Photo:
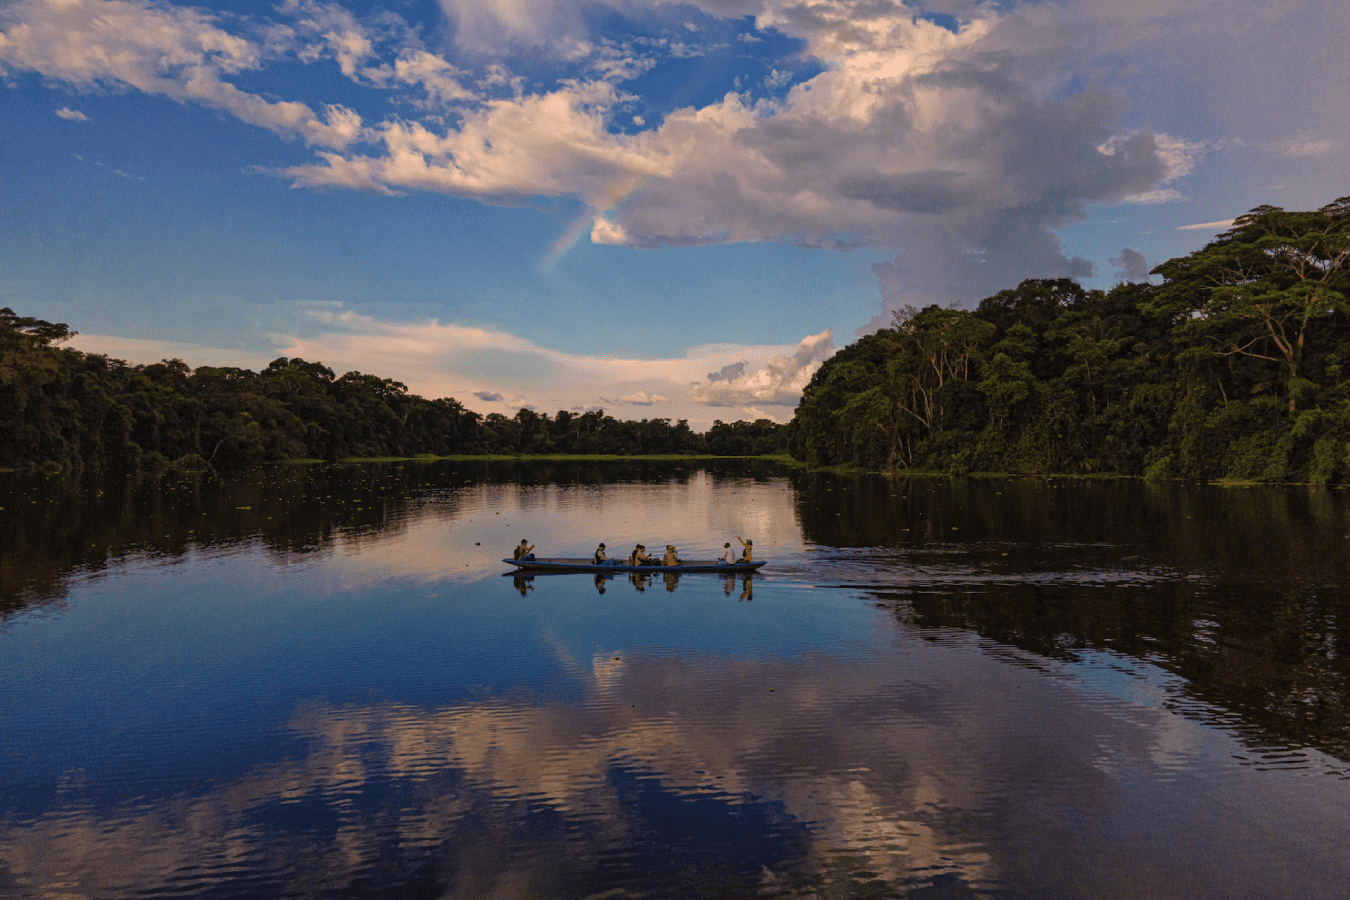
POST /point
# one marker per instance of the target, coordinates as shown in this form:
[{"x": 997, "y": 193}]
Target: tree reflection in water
[{"x": 1070, "y": 688}]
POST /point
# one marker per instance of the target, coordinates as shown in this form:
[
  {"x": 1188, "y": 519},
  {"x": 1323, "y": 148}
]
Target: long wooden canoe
[{"x": 585, "y": 565}]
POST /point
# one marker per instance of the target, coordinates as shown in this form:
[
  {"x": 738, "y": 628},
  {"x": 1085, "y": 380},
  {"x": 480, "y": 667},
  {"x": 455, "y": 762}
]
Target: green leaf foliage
[{"x": 1233, "y": 367}]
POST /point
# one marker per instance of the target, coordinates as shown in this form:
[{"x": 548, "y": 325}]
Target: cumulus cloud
[
  {"x": 1131, "y": 265},
  {"x": 961, "y": 150},
  {"x": 488, "y": 396},
  {"x": 779, "y": 382},
  {"x": 71, "y": 115},
  {"x": 914, "y": 136}
]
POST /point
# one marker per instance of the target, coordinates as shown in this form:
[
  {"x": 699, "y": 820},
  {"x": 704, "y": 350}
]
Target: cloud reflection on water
[
  {"x": 1002, "y": 722},
  {"x": 832, "y": 771}
]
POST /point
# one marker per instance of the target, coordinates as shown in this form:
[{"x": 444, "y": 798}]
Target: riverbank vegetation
[
  {"x": 61, "y": 410},
  {"x": 1233, "y": 367}
]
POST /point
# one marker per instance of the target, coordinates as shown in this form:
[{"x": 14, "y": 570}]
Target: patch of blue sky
[
  {"x": 1073, "y": 85},
  {"x": 151, "y": 257},
  {"x": 942, "y": 20},
  {"x": 686, "y": 296}
]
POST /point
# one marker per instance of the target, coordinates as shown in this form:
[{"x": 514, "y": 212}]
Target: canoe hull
[{"x": 585, "y": 565}]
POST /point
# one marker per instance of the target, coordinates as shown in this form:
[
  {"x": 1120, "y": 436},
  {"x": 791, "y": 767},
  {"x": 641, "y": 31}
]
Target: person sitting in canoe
[
  {"x": 599, "y": 558},
  {"x": 748, "y": 550},
  {"x": 728, "y": 555},
  {"x": 639, "y": 556},
  {"x": 671, "y": 558},
  {"x": 524, "y": 551}
]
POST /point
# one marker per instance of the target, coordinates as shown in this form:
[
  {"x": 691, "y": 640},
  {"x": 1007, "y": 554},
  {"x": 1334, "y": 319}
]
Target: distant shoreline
[
  {"x": 844, "y": 469},
  {"x": 534, "y": 457}
]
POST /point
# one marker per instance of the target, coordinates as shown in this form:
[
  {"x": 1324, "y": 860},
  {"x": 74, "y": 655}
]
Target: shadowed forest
[
  {"x": 64, "y": 410},
  {"x": 1232, "y": 367}
]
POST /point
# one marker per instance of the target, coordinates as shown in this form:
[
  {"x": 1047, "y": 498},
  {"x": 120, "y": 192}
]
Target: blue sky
[{"x": 661, "y": 209}]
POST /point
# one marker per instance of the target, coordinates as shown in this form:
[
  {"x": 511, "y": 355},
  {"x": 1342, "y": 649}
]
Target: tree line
[
  {"x": 62, "y": 409},
  {"x": 1233, "y": 367}
]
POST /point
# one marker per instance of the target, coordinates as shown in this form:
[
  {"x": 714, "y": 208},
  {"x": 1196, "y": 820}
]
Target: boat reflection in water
[{"x": 524, "y": 583}]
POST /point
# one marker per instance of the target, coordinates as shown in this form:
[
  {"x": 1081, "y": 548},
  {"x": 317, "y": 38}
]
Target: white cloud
[
  {"x": 71, "y": 115},
  {"x": 1179, "y": 156},
  {"x": 554, "y": 144},
  {"x": 779, "y": 382},
  {"x": 173, "y": 51},
  {"x": 1221, "y": 225}
]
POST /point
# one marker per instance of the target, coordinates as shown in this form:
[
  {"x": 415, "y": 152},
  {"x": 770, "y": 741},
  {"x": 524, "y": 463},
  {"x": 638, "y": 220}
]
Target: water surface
[{"x": 319, "y": 682}]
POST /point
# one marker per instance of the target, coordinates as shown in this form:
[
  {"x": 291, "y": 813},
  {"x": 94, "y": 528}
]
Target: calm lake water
[{"x": 319, "y": 682}]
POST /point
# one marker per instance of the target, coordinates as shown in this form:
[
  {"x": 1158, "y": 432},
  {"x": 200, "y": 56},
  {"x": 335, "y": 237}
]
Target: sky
[{"x": 658, "y": 209}]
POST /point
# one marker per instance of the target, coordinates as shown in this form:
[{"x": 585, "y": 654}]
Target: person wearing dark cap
[
  {"x": 728, "y": 555},
  {"x": 671, "y": 558},
  {"x": 748, "y": 550},
  {"x": 599, "y": 558},
  {"x": 524, "y": 550}
]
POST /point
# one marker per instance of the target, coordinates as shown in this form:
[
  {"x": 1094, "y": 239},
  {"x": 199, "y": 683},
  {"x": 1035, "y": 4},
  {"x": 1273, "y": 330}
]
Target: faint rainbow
[{"x": 581, "y": 226}]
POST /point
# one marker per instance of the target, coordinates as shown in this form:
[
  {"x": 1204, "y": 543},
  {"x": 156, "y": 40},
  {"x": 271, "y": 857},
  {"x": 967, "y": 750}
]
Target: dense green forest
[
  {"x": 1235, "y": 366},
  {"x": 63, "y": 410}
]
